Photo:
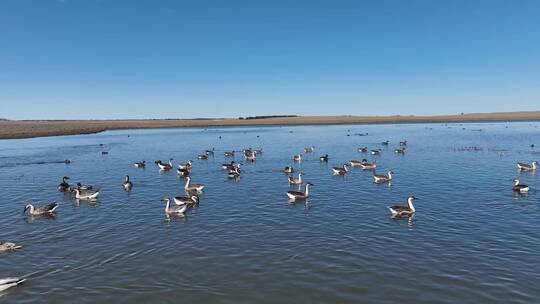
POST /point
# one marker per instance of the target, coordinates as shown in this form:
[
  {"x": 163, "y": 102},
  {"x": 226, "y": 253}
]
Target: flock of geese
[{"x": 178, "y": 205}]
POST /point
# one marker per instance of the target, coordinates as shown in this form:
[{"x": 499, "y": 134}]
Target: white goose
[
  {"x": 299, "y": 196},
  {"x": 250, "y": 155},
  {"x": 127, "y": 184},
  {"x": 297, "y": 181},
  {"x": 86, "y": 194},
  {"x": 519, "y": 187},
  {"x": 6, "y": 283},
  {"x": 41, "y": 210},
  {"x": 8, "y": 246},
  {"x": 340, "y": 170},
  {"x": 404, "y": 211},
  {"x": 309, "y": 149},
  {"x": 193, "y": 187},
  {"x": 176, "y": 210},
  {"x": 526, "y": 167},
  {"x": 382, "y": 178}
]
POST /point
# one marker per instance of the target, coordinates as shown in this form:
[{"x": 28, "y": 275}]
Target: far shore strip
[{"x": 13, "y": 129}]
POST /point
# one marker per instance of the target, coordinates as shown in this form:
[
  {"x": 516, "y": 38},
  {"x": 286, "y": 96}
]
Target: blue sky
[{"x": 100, "y": 59}]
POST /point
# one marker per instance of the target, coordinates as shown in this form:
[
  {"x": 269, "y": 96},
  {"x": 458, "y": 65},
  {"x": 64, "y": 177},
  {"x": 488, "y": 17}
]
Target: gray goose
[
  {"x": 299, "y": 196},
  {"x": 527, "y": 167},
  {"x": 403, "y": 211},
  {"x": 41, "y": 210}
]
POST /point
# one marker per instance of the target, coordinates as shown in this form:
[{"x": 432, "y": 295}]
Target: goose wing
[
  {"x": 399, "y": 208},
  {"x": 296, "y": 193},
  {"x": 47, "y": 208}
]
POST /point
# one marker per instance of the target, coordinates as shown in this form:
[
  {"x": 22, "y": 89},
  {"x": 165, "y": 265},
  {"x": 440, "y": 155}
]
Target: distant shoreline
[{"x": 17, "y": 129}]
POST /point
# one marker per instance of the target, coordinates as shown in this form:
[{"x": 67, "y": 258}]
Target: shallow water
[{"x": 471, "y": 241}]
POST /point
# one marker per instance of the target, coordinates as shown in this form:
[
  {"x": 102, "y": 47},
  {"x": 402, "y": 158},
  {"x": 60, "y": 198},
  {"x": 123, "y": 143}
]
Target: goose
[
  {"x": 324, "y": 158},
  {"x": 186, "y": 200},
  {"x": 8, "y": 246},
  {"x": 229, "y": 153},
  {"x": 165, "y": 167},
  {"x": 368, "y": 166},
  {"x": 178, "y": 209},
  {"x": 382, "y": 178},
  {"x": 385, "y": 143},
  {"x": 526, "y": 167},
  {"x": 288, "y": 170},
  {"x": 202, "y": 157},
  {"x": 209, "y": 152},
  {"x": 518, "y": 187},
  {"x": 403, "y": 211},
  {"x": 376, "y": 151},
  {"x": 186, "y": 166},
  {"x": 86, "y": 194},
  {"x": 127, "y": 184},
  {"x": 140, "y": 164},
  {"x": 41, "y": 210},
  {"x": 309, "y": 149},
  {"x": 299, "y": 196},
  {"x": 400, "y": 150},
  {"x": 193, "y": 187},
  {"x": 363, "y": 149},
  {"x": 234, "y": 173},
  {"x": 297, "y": 157},
  {"x": 6, "y": 283},
  {"x": 297, "y": 181},
  {"x": 357, "y": 163},
  {"x": 183, "y": 172},
  {"x": 64, "y": 186},
  {"x": 340, "y": 170},
  {"x": 230, "y": 166},
  {"x": 250, "y": 155},
  {"x": 403, "y": 143}
]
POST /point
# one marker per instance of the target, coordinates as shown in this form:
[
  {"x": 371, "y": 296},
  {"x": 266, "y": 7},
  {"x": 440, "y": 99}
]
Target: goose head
[{"x": 28, "y": 207}]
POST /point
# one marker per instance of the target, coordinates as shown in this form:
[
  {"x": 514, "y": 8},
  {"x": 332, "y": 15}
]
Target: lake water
[{"x": 472, "y": 240}]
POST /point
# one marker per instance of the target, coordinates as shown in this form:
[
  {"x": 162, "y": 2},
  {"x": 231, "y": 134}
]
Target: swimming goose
[
  {"x": 250, "y": 155},
  {"x": 234, "y": 173},
  {"x": 518, "y": 187},
  {"x": 288, "y": 170},
  {"x": 297, "y": 157},
  {"x": 186, "y": 166},
  {"x": 297, "y": 181},
  {"x": 8, "y": 246},
  {"x": 202, "y": 157},
  {"x": 165, "y": 167},
  {"x": 309, "y": 149},
  {"x": 127, "y": 184},
  {"x": 357, "y": 163},
  {"x": 193, "y": 187},
  {"x": 230, "y": 166},
  {"x": 186, "y": 200},
  {"x": 340, "y": 170},
  {"x": 382, "y": 178},
  {"x": 363, "y": 149},
  {"x": 209, "y": 152},
  {"x": 527, "y": 167},
  {"x": 183, "y": 172},
  {"x": 229, "y": 153},
  {"x": 41, "y": 210},
  {"x": 6, "y": 283},
  {"x": 385, "y": 143},
  {"x": 64, "y": 186},
  {"x": 299, "y": 196},
  {"x": 376, "y": 151},
  {"x": 140, "y": 164},
  {"x": 324, "y": 158},
  {"x": 400, "y": 150},
  {"x": 178, "y": 210},
  {"x": 403, "y": 143},
  {"x": 368, "y": 166},
  {"x": 404, "y": 211},
  {"x": 86, "y": 194}
]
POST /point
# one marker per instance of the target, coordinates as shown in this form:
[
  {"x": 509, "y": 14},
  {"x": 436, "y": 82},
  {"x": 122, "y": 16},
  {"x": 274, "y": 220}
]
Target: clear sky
[{"x": 100, "y": 59}]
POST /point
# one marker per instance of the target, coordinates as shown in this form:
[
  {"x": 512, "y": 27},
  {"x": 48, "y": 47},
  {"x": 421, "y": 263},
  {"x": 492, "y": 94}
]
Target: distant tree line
[{"x": 266, "y": 116}]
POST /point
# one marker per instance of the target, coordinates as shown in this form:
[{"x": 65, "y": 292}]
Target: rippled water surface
[{"x": 471, "y": 241}]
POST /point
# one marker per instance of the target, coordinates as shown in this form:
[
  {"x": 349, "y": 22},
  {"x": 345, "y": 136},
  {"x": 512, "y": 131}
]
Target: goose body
[
  {"x": 527, "y": 167},
  {"x": 324, "y": 158},
  {"x": 48, "y": 209},
  {"x": 385, "y": 143},
  {"x": 183, "y": 172},
  {"x": 186, "y": 166},
  {"x": 357, "y": 163},
  {"x": 175, "y": 209},
  {"x": 140, "y": 164},
  {"x": 368, "y": 166},
  {"x": 127, "y": 184},
  {"x": 300, "y": 196},
  {"x": 400, "y": 150},
  {"x": 288, "y": 170},
  {"x": 230, "y": 166},
  {"x": 8, "y": 246},
  {"x": 403, "y": 211},
  {"x": 340, "y": 170},
  {"x": 403, "y": 143},
  {"x": 186, "y": 200},
  {"x": 250, "y": 155},
  {"x": 234, "y": 173},
  {"x": 229, "y": 153},
  {"x": 297, "y": 157},
  {"x": 519, "y": 187},
  {"x": 297, "y": 181},
  {"x": 382, "y": 178},
  {"x": 165, "y": 167},
  {"x": 6, "y": 283},
  {"x": 203, "y": 157},
  {"x": 209, "y": 152},
  {"x": 376, "y": 151},
  {"x": 64, "y": 185},
  {"x": 363, "y": 149},
  {"x": 309, "y": 149},
  {"x": 193, "y": 187},
  {"x": 86, "y": 194}
]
